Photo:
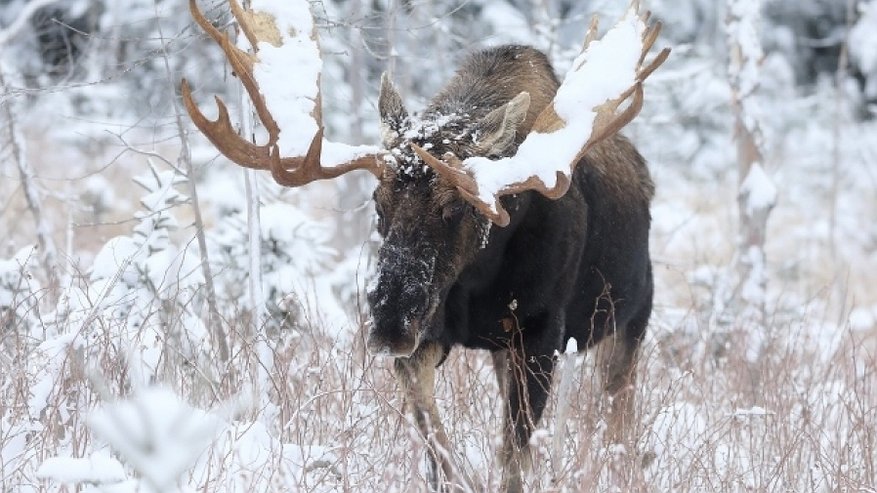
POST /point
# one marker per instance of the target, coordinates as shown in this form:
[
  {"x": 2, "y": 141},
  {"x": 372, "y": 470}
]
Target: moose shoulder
[
  {"x": 576, "y": 267},
  {"x": 520, "y": 276}
]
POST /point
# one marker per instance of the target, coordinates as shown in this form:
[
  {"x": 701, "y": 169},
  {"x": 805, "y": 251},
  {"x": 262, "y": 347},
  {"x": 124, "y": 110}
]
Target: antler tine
[
  {"x": 659, "y": 59},
  {"x": 591, "y": 35},
  {"x": 449, "y": 167},
  {"x": 291, "y": 171},
  {"x": 240, "y": 61},
  {"x": 238, "y": 12},
  {"x": 298, "y": 171},
  {"x": 607, "y": 122},
  {"x": 649, "y": 37}
]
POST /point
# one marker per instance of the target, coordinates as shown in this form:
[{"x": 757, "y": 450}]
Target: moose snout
[
  {"x": 397, "y": 310},
  {"x": 400, "y": 345}
]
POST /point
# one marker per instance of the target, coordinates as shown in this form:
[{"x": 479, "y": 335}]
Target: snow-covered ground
[{"x": 111, "y": 375}]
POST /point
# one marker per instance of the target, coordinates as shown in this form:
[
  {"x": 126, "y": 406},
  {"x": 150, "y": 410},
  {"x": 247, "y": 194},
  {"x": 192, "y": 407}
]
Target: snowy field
[{"x": 128, "y": 363}]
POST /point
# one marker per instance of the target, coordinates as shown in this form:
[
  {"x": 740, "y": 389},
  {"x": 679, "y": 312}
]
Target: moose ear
[
  {"x": 496, "y": 132},
  {"x": 392, "y": 111}
]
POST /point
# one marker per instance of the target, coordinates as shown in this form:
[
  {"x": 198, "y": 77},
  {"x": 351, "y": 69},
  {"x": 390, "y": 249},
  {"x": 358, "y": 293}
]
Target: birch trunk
[{"x": 756, "y": 193}]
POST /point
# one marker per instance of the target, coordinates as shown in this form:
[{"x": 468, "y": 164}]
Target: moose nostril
[{"x": 394, "y": 343}]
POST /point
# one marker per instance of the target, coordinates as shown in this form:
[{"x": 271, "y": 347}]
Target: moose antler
[
  {"x": 290, "y": 171},
  {"x": 608, "y": 120}
]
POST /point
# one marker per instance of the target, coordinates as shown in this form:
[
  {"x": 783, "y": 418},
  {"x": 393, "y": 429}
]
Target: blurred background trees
[{"x": 98, "y": 233}]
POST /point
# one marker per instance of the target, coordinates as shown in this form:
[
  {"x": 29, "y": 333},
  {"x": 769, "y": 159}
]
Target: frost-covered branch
[
  {"x": 48, "y": 253},
  {"x": 757, "y": 193},
  {"x": 185, "y": 161}
]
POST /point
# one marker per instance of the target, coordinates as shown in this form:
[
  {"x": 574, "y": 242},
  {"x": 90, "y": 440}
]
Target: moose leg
[
  {"x": 525, "y": 379},
  {"x": 501, "y": 367},
  {"x": 617, "y": 357},
  {"x": 416, "y": 374}
]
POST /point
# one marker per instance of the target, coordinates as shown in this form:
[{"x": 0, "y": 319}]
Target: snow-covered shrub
[
  {"x": 295, "y": 251},
  {"x": 863, "y": 46},
  {"x": 147, "y": 287},
  {"x": 155, "y": 433},
  {"x": 19, "y": 292}
]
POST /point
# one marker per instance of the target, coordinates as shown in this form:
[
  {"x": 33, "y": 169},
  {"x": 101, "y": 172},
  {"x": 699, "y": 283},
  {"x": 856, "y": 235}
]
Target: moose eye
[
  {"x": 453, "y": 213},
  {"x": 382, "y": 221}
]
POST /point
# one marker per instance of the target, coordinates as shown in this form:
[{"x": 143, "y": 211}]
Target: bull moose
[{"x": 519, "y": 277}]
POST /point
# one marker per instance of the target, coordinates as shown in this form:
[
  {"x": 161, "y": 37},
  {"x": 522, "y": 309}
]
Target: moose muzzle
[{"x": 400, "y": 299}]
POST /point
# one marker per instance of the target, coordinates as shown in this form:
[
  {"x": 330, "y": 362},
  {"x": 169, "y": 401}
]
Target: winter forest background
[{"x": 127, "y": 365}]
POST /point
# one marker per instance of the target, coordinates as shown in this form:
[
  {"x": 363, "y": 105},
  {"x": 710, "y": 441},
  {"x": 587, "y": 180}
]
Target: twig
[
  {"x": 48, "y": 253},
  {"x": 185, "y": 161}
]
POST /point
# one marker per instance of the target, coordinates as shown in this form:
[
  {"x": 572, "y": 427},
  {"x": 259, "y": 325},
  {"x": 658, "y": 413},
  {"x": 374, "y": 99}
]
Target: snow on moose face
[{"x": 429, "y": 235}]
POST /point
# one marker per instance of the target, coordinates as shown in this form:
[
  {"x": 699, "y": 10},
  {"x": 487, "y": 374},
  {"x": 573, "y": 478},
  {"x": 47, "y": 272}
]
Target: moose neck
[{"x": 484, "y": 270}]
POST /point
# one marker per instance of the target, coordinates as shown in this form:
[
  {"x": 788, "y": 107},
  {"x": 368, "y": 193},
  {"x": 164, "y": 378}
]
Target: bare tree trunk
[
  {"x": 392, "y": 53},
  {"x": 254, "y": 236},
  {"x": 351, "y": 186},
  {"x": 47, "y": 252},
  {"x": 263, "y": 359},
  {"x": 357, "y": 73},
  {"x": 184, "y": 161},
  {"x": 840, "y": 75},
  {"x": 841, "y": 281},
  {"x": 756, "y": 193}
]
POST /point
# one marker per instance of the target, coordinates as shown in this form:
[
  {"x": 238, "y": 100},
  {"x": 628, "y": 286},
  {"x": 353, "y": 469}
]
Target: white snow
[
  {"x": 863, "y": 44},
  {"x": 758, "y": 189},
  {"x": 752, "y": 411},
  {"x": 155, "y": 432},
  {"x": 572, "y": 346},
  {"x": 601, "y": 73},
  {"x": 97, "y": 468},
  {"x": 288, "y": 76}
]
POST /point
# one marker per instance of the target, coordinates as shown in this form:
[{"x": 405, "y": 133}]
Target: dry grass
[
  {"x": 797, "y": 418},
  {"x": 799, "y": 414}
]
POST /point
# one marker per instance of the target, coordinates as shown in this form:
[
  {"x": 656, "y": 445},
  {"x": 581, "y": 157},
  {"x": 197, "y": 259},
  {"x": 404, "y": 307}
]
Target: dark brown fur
[
  {"x": 489, "y": 79},
  {"x": 577, "y": 267}
]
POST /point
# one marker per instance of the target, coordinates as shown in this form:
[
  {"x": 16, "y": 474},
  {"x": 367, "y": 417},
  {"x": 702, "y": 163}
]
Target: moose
[{"x": 519, "y": 277}]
